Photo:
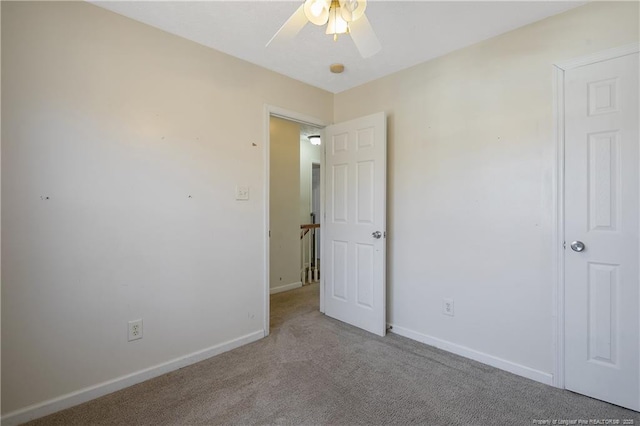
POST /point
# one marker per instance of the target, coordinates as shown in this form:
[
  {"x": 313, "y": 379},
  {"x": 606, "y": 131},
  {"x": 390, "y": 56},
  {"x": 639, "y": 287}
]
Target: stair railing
[{"x": 309, "y": 270}]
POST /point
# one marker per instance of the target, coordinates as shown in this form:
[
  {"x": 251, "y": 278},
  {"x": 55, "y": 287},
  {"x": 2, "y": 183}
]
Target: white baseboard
[
  {"x": 286, "y": 287},
  {"x": 92, "y": 392},
  {"x": 502, "y": 364}
]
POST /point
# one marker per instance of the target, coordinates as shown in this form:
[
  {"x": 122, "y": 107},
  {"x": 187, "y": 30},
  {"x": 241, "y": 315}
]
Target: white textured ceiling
[{"x": 410, "y": 32}]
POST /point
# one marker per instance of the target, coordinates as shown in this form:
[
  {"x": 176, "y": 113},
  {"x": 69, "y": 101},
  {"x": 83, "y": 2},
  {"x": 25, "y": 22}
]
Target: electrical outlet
[
  {"x": 447, "y": 306},
  {"x": 242, "y": 193},
  {"x": 135, "y": 329}
]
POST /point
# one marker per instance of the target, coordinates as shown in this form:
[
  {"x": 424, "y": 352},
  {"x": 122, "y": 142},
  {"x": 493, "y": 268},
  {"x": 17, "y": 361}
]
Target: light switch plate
[{"x": 242, "y": 192}]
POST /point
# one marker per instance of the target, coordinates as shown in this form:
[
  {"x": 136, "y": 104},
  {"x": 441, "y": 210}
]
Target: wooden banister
[
  {"x": 307, "y": 227},
  {"x": 310, "y": 226}
]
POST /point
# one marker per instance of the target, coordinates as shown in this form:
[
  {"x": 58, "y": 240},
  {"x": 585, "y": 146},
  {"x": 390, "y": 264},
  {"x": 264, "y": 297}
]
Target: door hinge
[{"x": 564, "y": 245}]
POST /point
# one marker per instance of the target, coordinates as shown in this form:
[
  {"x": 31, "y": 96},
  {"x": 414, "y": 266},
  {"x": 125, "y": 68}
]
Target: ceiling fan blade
[
  {"x": 364, "y": 37},
  {"x": 291, "y": 28}
]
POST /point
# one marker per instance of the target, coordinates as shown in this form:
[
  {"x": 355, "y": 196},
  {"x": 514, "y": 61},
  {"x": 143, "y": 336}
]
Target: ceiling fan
[{"x": 340, "y": 16}]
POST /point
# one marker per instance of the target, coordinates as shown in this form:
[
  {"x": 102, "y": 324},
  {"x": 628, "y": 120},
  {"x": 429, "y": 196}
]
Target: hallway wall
[{"x": 284, "y": 203}]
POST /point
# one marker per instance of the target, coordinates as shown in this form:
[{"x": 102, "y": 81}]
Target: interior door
[
  {"x": 354, "y": 250},
  {"x": 601, "y": 231}
]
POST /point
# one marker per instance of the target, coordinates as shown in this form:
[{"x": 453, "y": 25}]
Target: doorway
[
  {"x": 293, "y": 226},
  {"x": 352, "y": 285}
]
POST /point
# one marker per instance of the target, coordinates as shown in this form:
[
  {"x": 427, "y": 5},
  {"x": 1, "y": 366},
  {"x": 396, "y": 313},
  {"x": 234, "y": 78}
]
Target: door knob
[
  {"x": 376, "y": 235},
  {"x": 577, "y": 246}
]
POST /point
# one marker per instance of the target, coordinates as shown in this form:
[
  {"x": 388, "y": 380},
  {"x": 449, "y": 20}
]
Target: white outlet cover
[
  {"x": 134, "y": 330},
  {"x": 242, "y": 193},
  {"x": 447, "y": 306}
]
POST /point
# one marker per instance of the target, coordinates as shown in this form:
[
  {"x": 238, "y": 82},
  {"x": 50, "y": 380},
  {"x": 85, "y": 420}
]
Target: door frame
[
  {"x": 321, "y": 212},
  {"x": 558, "y": 194},
  {"x": 269, "y": 111}
]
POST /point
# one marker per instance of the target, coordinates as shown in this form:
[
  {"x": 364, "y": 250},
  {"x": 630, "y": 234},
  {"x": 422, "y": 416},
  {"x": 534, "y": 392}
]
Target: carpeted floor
[{"x": 315, "y": 370}]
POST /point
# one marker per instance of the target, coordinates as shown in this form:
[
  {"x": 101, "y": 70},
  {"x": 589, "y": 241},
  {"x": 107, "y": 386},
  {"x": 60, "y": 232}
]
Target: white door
[
  {"x": 354, "y": 249},
  {"x": 602, "y": 335}
]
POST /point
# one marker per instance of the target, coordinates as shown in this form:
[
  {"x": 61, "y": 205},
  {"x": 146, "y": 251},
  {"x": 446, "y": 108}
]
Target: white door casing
[
  {"x": 354, "y": 260},
  {"x": 315, "y": 201},
  {"x": 601, "y": 201}
]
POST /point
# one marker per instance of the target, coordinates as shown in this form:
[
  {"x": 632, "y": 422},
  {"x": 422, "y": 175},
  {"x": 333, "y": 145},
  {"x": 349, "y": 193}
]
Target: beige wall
[
  {"x": 138, "y": 138},
  {"x": 471, "y": 154},
  {"x": 284, "y": 200}
]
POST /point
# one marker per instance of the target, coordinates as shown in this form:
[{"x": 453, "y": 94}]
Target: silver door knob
[
  {"x": 577, "y": 246},
  {"x": 376, "y": 235}
]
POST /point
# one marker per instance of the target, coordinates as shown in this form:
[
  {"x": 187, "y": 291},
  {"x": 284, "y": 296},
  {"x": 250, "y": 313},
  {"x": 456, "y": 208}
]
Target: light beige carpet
[{"x": 314, "y": 370}]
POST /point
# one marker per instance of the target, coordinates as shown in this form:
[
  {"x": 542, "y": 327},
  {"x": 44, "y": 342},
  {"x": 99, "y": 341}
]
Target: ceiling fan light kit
[
  {"x": 352, "y": 10},
  {"x": 340, "y": 16},
  {"x": 335, "y": 13},
  {"x": 337, "y": 24},
  {"x": 317, "y": 11}
]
